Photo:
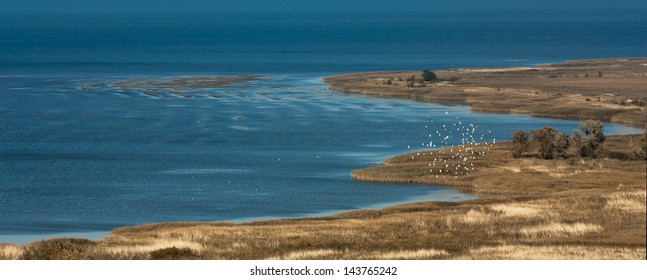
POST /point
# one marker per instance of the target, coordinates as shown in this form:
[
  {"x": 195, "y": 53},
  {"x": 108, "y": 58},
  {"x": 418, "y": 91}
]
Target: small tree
[
  {"x": 411, "y": 81},
  {"x": 593, "y": 129},
  {"x": 519, "y": 143},
  {"x": 544, "y": 137},
  {"x": 428, "y": 75},
  {"x": 579, "y": 144},
  {"x": 591, "y": 145},
  {"x": 560, "y": 144}
]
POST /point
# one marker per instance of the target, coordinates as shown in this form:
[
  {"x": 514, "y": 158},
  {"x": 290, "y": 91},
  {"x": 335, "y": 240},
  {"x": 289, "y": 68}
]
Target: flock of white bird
[{"x": 464, "y": 142}]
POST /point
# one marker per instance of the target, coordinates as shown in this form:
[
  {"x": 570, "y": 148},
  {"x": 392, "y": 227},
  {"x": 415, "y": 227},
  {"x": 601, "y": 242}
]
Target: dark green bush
[{"x": 428, "y": 75}]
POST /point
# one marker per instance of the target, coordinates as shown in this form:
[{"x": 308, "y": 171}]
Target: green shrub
[
  {"x": 519, "y": 143},
  {"x": 428, "y": 75}
]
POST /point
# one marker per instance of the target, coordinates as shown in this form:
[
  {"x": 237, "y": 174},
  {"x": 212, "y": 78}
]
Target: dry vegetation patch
[
  {"x": 525, "y": 252},
  {"x": 60, "y": 249},
  {"x": 306, "y": 255},
  {"x": 517, "y": 210},
  {"x": 421, "y": 254},
  {"x": 560, "y": 230},
  {"x": 130, "y": 251},
  {"x": 475, "y": 217},
  {"x": 627, "y": 201},
  {"x": 10, "y": 251}
]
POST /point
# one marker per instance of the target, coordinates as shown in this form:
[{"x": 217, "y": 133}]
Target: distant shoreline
[{"x": 609, "y": 90}]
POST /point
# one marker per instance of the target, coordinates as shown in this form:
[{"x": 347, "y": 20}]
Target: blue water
[
  {"x": 78, "y": 155},
  {"x": 312, "y": 42}
]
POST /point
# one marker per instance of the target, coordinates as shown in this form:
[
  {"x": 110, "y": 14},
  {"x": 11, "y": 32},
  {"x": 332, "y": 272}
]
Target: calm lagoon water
[{"x": 75, "y": 158}]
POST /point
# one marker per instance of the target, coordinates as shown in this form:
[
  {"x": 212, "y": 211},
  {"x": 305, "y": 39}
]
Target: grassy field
[
  {"x": 606, "y": 89},
  {"x": 528, "y": 208}
]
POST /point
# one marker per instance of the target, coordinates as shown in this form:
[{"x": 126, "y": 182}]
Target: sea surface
[{"x": 81, "y": 156}]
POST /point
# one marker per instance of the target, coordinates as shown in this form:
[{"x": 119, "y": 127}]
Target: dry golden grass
[
  {"x": 627, "y": 201},
  {"x": 134, "y": 250},
  {"x": 306, "y": 255},
  {"x": 10, "y": 251},
  {"x": 525, "y": 252},
  {"x": 421, "y": 254},
  {"x": 517, "y": 210},
  {"x": 560, "y": 230},
  {"x": 475, "y": 217}
]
